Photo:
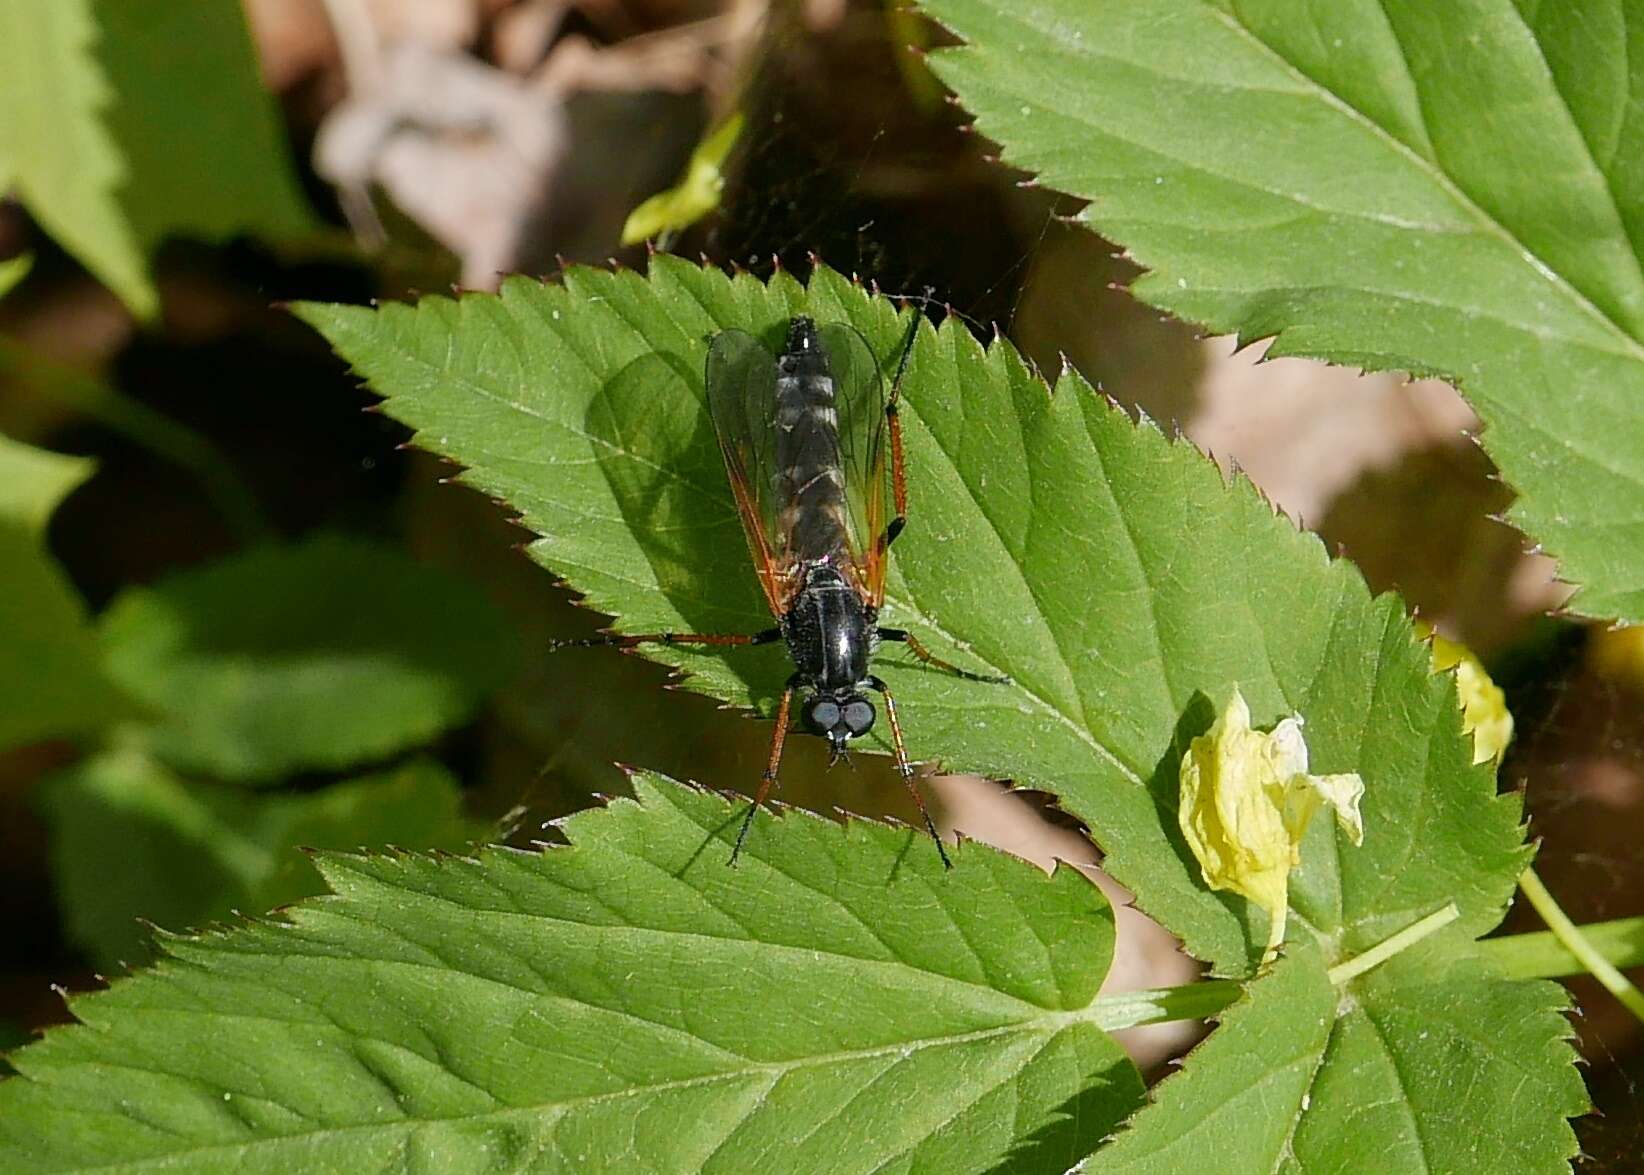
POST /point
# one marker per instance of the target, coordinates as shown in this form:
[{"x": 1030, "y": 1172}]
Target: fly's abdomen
[{"x": 810, "y": 479}]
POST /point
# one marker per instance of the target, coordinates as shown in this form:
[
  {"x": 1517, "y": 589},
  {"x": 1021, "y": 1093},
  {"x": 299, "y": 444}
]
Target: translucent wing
[
  {"x": 859, "y": 395},
  {"x": 741, "y": 380}
]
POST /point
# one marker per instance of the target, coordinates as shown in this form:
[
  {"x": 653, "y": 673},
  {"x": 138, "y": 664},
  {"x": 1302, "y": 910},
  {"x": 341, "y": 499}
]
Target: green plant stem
[
  {"x": 1542, "y": 955},
  {"x": 1582, "y": 947},
  {"x": 1161, "y": 1005},
  {"x": 143, "y": 426},
  {"x": 1388, "y": 947},
  {"x": 1195, "y": 1001}
]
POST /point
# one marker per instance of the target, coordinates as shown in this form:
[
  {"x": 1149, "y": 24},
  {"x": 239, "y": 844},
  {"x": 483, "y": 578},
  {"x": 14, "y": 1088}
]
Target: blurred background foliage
[{"x": 237, "y": 616}]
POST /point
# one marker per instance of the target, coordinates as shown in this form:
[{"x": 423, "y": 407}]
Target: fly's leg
[
  {"x": 768, "y": 779},
  {"x": 917, "y": 648},
  {"x": 770, "y": 635},
  {"x": 893, "y": 422},
  {"x": 905, "y": 769},
  {"x": 629, "y": 640}
]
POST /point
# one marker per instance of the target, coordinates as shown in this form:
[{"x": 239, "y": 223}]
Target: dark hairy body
[
  {"x": 806, "y": 455},
  {"x": 829, "y": 630}
]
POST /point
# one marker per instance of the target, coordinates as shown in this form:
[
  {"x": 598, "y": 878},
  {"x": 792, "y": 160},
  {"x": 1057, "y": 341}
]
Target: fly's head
[{"x": 838, "y": 717}]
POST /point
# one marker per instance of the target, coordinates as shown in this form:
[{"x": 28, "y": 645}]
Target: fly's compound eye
[
  {"x": 858, "y": 716},
  {"x": 821, "y": 715}
]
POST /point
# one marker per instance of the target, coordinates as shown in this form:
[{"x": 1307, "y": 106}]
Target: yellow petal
[
  {"x": 1246, "y": 800},
  {"x": 1286, "y": 749},
  {"x": 1341, "y": 793},
  {"x": 1484, "y": 712}
]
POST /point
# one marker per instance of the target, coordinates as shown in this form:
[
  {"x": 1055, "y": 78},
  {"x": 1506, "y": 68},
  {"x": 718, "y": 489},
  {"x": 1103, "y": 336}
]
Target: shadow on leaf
[{"x": 655, "y": 445}]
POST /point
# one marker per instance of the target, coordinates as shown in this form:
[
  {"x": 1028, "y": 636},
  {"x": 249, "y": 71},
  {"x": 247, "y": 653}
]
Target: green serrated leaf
[
  {"x": 316, "y": 656},
  {"x": 1124, "y": 586},
  {"x": 191, "y": 69},
  {"x": 836, "y": 1003},
  {"x": 50, "y": 681},
  {"x": 192, "y": 853},
  {"x": 1447, "y": 1069},
  {"x": 1111, "y": 573},
  {"x": 11, "y": 1036},
  {"x": 1447, "y": 189},
  {"x": 55, "y": 147},
  {"x": 1241, "y": 1092},
  {"x": 123, "y": 122}
]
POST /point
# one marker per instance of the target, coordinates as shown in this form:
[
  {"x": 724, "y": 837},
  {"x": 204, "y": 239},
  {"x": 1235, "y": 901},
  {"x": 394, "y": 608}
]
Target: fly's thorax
[
  {"x": 803, "y": 352},
  {"x": 829, "y": 631}
]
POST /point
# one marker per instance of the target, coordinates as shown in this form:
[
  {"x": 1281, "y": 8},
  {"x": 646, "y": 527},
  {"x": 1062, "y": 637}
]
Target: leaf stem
[
  {"x": 1195, "y": 1001},
  {"x": 1160, "y": 1005},
  {"x": 1543, "y": 955},
  {"x": 1388, "y": 947},
  {"x": 1581, "y": 947}
]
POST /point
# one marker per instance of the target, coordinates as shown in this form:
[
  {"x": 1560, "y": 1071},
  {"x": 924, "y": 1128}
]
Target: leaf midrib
[
  {"x": 438, "y": 964},
  {"x": 1411, "y": 1118},
  {"x": 1631, "y": 347},
  {"x": 1052, "y": 1025},
  {"x": 1079, "y": 726},
  {"x": 1416, "y": 367},
  {"x": 1287, "y": 1146}
]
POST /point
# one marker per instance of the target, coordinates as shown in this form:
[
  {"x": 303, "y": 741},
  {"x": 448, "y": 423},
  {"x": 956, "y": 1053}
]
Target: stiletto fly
[{"x": 805, "y": 436}]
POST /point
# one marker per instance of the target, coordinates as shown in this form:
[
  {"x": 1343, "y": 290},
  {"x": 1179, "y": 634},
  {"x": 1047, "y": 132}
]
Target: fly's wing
[
  {"x": 859, "y": 401},
  {"x": 742, "y": 405}
]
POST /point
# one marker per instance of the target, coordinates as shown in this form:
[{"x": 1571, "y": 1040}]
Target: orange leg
[
  {"x": 905, "y": 769},
  {"x": 899, "y": 477},
  {"x": 893, "y": 422},
  {"x": 768, "y": 779}
]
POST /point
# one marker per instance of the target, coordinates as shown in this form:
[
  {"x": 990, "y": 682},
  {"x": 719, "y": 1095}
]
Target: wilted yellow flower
[
  {"x": 1484, "y": 712},
  {"x": 1246, "y": 801},
  {"x": 697, "y": 192}
]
